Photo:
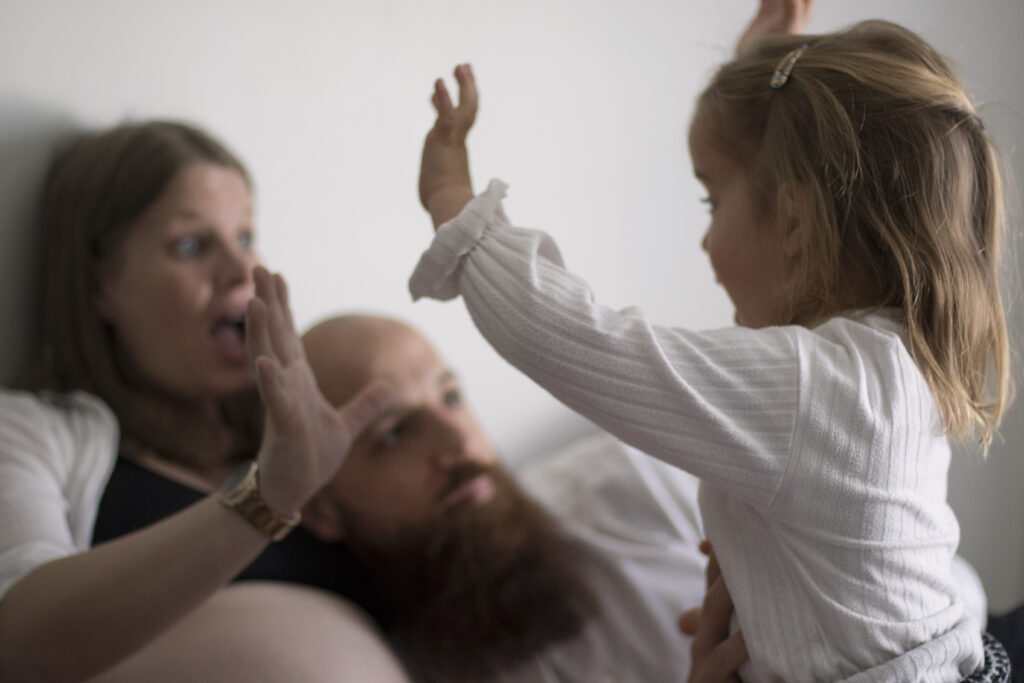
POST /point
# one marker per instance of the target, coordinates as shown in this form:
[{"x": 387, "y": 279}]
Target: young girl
[{"x": 856, "y": 220}]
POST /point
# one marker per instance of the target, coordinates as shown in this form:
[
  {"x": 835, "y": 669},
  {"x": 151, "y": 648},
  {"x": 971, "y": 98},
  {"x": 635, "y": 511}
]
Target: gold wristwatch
[{"x": 241, "y": 493}]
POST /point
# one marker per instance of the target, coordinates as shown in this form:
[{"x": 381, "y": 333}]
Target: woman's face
[{"x": 179, "y": 286}]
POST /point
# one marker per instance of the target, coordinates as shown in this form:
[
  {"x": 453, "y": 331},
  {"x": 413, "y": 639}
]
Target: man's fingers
[
  {"x": 714, "y": 619},
  {"x": 722, "y": 662},
  {"x": 689, "y": 621}
]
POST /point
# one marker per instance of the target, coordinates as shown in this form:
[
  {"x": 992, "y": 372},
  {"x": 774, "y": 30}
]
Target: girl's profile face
[
  {"x": 177, "y": 292},
  {"x": 745, "y": 250}
]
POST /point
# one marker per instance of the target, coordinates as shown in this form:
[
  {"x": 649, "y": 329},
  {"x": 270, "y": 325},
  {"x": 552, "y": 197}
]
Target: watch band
[{"x": 241, "y": 493}]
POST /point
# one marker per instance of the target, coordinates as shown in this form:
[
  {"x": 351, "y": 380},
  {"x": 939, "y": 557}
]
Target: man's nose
[{"x": 454, "y": 441}]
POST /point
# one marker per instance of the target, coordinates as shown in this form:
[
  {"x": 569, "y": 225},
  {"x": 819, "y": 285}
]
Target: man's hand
[
  {"x": 715, "y": 655},
  {"x": 775, "y": 16},
  {"x": 445, "y": 184}
]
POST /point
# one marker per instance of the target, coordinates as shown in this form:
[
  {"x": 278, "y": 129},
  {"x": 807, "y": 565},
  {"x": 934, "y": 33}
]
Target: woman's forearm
[{"x": 74, "y": 617}]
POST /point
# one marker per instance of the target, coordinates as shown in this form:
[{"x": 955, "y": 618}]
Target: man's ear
[
  {"x": 792, "y": 210},
  {"x": 322, "y": 518}
]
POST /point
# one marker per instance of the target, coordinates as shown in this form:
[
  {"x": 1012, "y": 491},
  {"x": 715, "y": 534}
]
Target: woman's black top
[{"x": 136, "y": 497}]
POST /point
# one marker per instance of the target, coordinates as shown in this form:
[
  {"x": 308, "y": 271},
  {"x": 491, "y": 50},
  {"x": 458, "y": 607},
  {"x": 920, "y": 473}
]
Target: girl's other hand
[
  {"x": 305, "y": 438},
  {"x": 445, "y": 184},
  {"x": 776, "y": 16}
]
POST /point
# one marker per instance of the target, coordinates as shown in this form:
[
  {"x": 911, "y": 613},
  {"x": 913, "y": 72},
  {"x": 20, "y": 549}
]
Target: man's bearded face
[{"x": 477, "y": 588}]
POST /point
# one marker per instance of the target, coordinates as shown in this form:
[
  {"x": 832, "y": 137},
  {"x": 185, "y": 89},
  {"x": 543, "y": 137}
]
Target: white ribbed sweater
[{"x": 821, "y": 452}]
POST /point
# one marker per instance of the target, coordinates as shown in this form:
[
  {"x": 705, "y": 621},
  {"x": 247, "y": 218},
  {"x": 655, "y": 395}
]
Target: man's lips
[{"x": 475, "y": 491}]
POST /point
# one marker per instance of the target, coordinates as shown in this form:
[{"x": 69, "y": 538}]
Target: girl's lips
[{"x": 475, "y": 491}]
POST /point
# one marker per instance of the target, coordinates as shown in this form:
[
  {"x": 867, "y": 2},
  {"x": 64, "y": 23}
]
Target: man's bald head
[{"x": 348, "y": 351}]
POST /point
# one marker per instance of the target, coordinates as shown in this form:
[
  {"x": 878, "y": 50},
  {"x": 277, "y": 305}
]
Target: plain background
[{"x": 584, "y": 111}]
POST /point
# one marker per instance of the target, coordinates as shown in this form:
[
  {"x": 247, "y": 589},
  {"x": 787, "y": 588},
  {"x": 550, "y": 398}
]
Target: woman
[{"x": 147, "y": 274}]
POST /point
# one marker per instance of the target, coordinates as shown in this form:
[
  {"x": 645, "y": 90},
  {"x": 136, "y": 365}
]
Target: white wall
[{"x": 585, "y": 105}]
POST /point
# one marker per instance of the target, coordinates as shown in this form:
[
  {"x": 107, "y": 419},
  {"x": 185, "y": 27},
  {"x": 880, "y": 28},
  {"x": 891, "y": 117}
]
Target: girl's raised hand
[
  {"x": 305, "y": 438},
  {"x": 776, "y": 16},
  {"x": 445, "y": 185}
]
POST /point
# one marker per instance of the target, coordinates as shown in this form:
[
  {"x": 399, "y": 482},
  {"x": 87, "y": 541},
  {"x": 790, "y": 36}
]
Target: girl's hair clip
[{"x": 785, "y": 67}]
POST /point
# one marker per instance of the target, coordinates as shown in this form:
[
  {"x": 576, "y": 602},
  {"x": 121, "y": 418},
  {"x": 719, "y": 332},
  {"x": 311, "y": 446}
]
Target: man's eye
[
  {"x": 390, "y": 438},
  {"x": 246, "y": 239},
  {"x": 706, "y": 201},
  {"x": 186, "y": 246},
  {"x": 452, "y": 398}
]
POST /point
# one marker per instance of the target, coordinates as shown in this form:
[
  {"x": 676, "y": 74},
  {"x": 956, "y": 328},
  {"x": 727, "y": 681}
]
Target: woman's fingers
[
  {"x": 372, "y": 402},
  {"x": 272, "y": 292}
]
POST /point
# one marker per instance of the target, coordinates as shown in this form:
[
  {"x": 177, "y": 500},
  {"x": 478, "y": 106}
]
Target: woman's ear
[{"x": 322, "y": 518}]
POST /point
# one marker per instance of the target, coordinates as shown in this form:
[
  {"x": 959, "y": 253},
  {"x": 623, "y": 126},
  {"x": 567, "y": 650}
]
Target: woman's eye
[
  {"x": 187, "y": 246},
  {"x": 452, "y": 398}
]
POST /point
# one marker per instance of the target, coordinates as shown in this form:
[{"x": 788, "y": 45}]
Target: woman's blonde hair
[{"x": 882, "y": 163}]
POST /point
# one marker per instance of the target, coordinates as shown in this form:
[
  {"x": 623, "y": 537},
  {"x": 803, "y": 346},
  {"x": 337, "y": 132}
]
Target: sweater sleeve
[
  {"x": 55, "y": 457},
  {"x": 720, "y": 404}
]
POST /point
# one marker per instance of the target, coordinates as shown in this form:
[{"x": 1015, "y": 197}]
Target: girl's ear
[
  {"x": 791, "y": 211},
  {"x": 322, "y": 518}
]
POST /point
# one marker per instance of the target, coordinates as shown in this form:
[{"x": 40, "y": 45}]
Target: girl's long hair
[{"x": 888, "y": 171}]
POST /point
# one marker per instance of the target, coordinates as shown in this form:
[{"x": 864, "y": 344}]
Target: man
[{"x": 575, "y": 573}]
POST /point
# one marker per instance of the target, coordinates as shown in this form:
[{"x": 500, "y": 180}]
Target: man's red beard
[{"x": 480, "y": 588}]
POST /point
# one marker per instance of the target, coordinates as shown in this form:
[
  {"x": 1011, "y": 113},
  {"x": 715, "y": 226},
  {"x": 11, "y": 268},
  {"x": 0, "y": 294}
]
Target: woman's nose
[{"x": 235, "y": 267}]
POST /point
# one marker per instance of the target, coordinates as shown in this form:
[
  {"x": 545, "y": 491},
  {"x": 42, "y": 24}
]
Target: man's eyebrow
[
  {"x": 387, "y": 414},
  {"x": 447, "y": 376}
]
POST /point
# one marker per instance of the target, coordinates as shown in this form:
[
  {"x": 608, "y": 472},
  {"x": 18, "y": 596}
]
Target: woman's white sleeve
[{"x": 55, "y": 458}]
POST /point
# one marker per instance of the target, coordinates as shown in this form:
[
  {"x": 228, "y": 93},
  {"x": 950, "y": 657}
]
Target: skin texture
[{"x": 185, "y": 264}]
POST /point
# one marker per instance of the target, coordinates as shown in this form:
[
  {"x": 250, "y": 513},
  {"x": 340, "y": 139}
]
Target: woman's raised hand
[
  {"x": 305, "y": 438},
  {"x": 445, "y": 184},
  {"x": 776, "y": 16}
]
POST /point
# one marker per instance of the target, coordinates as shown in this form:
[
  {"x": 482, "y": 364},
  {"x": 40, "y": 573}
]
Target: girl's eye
[
  {"x": 187, "y": 246},
  {"x": 452, "y": 398},
  {"x": 246, "y": 239}
]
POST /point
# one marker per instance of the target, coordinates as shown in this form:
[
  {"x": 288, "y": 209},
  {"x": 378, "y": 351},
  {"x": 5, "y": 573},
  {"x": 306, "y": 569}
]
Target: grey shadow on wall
[{"x": 29, "y": 135}]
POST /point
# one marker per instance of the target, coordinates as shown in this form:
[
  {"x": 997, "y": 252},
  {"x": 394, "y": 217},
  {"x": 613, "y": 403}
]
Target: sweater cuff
[{"x": 437, "y": 274}]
